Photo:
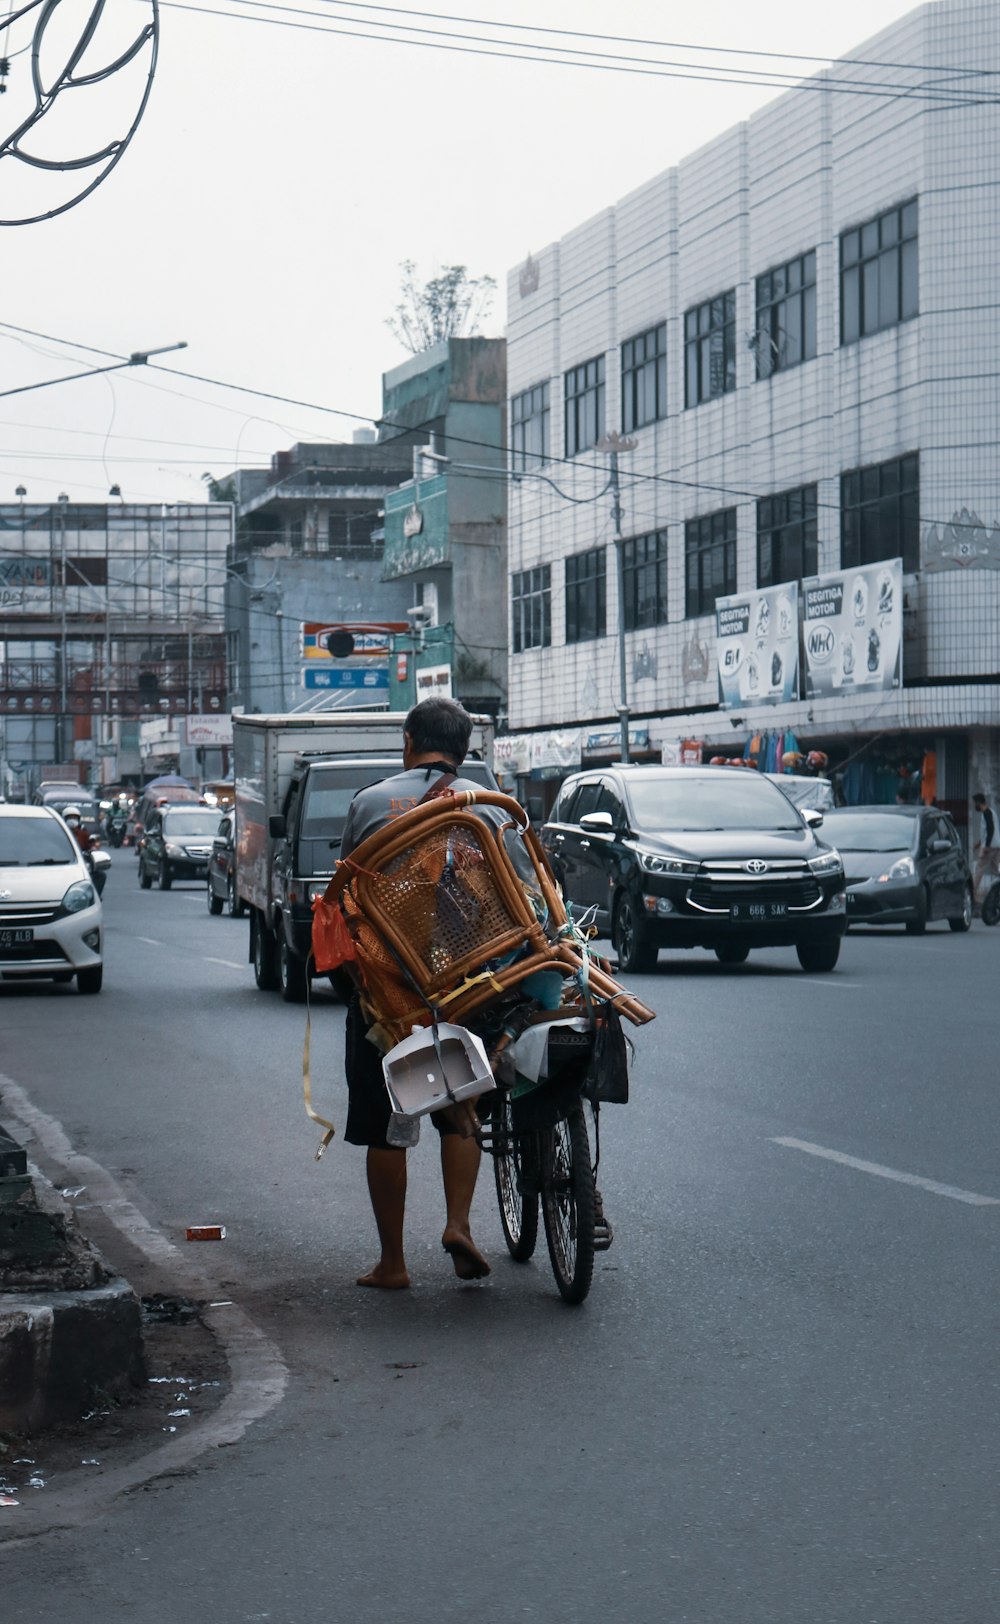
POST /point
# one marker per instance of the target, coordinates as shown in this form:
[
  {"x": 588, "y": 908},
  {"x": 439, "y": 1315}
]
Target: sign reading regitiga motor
[
  {"x": 852, "y": 630},
  {"x": 757, "y": 642}
]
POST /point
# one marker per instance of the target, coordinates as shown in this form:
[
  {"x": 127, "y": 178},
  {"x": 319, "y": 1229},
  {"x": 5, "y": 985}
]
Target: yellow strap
[
  {"x": 307, "y": 1077},
  {"x": 470, "y": 981}
]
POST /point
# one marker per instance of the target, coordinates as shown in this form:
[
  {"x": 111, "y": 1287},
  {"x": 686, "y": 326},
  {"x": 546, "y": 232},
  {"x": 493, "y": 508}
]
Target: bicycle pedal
[{"x": 603, "y": 1235}]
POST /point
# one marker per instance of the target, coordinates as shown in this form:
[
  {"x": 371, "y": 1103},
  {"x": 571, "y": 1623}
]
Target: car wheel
[
  {"x": 90, "y": 980},
  {"x": 234, "y": 904},
  {"x": 963, "y": 921},
  {"x": 292, "y": 976},
  {"x": 214, "y": 902},
  {"x": 733, "y": 952},
  {"x": 818, "y": 957},
  {"x": 145, "y": 880},
  {"x": 164, "y": 878},
  {"x": 918, "y": 924},
  {"x": 635, "y": 951},
  {"x": 263, "y": 953}
]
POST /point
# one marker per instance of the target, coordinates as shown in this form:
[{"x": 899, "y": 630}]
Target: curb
[{"x": 58, "y": 1348}]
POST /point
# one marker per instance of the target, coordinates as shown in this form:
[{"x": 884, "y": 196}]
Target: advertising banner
[
  {"x": 346, "y": 676},
  {"x": 757, "y": 645},
  {"x": 340, "y": 639},
  {"x": 210, "y": 732},
  {"x": 852, "y": 630},
  {"x": 25, "y": 583}
]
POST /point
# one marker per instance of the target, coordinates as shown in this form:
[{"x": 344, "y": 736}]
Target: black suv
[
  {"x": 711, "y": 857},
  {"x": 176, "y": 844}
]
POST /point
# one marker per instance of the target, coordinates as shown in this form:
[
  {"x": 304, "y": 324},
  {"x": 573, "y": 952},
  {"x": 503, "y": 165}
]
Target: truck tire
[
  {"x": 262, "y": 948},
  {"x": 292, "y": 976}
]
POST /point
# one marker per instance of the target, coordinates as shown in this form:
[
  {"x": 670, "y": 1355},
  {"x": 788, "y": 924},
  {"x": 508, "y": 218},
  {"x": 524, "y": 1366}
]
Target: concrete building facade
[{"x": 797, "y": 327}]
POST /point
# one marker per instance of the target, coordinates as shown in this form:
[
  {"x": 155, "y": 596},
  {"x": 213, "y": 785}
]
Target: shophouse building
[{"x": 796, "y": 334}]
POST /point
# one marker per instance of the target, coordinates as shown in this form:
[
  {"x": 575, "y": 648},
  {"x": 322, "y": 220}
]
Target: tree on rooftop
[{"x": 449, "y": 305}]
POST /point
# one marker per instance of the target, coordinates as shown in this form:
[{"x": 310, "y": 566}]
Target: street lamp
[
  {"x": 63, "y": 500},
  {"x": 612, "y": 445}
]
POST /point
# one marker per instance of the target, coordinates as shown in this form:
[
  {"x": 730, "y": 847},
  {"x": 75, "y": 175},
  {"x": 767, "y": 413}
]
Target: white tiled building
[{"x": 839, "y": 253}]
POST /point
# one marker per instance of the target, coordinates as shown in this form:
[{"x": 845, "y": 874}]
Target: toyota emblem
[{"x": 755, "y": 866}]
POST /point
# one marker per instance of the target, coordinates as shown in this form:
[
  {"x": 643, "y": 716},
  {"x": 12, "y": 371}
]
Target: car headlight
[
  {"x": 829, "y": 863},
  {"x": 654, "y": 863},
  {"x": 318, "y": 889},
  {"x": 173, "y": 850},
  {"x": 79, "y": 896},
  {"x": 903, "y": 869}
]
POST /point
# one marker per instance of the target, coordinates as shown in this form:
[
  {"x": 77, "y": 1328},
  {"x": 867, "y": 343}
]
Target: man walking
[
  {"x": 987, "y": 848},
  {"x": 436, "y": 737}
]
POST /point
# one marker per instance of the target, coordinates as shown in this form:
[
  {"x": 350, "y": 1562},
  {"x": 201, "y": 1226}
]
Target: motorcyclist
[{"x": 84, "y": 839}]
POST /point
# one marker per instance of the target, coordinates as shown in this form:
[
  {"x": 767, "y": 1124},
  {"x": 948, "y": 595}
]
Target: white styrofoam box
[{"x": 413, "y": 1074}]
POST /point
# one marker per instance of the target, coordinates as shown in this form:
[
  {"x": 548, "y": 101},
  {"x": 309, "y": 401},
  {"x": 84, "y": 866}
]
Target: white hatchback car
[{"x": 51, "y": 919}]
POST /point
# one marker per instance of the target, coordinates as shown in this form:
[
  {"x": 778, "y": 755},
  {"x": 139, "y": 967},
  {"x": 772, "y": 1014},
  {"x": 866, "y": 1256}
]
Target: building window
[
  {"x": 584, "y": 405},
  {"x": 644, "y": 569},
  {"x": 531, "y": 602},
  {"x": 878, "y": 273},
  {"x": 709, "y": 561},
  {"x": 786, "y": 536},
  {"x": 529, "y": 428},
  {"x": 585, "y": 595},
  {"x": 880, "y": 513},
  {"x": 710, "y": 349},
  {"x": 786, "y": 315},
  {"x": 644, "y": 379}
]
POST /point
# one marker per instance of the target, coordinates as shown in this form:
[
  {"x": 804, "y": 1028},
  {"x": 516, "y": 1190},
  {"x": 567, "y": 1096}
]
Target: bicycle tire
[
  {"x": 568, "y": 1206},
  {"x": 518, "y": 1210},
  {"x": 991, "y": 905}
]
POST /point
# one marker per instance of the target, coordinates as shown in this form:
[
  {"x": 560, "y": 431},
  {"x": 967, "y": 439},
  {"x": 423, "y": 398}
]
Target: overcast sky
[{"x": 278, "y": 178}]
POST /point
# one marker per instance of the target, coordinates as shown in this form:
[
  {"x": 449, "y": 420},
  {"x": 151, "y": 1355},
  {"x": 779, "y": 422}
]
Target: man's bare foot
[
  {"x": 384, "y": 1279},
  {"x": 464, "y": 1253}
]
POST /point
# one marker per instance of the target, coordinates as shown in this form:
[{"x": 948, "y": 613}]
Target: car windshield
[
  {"x": 868, "y": 831},
  {"x": 205, "y": 822},
  {"x": 27, "y": 842},
  {"x": 720, "y": 800}
]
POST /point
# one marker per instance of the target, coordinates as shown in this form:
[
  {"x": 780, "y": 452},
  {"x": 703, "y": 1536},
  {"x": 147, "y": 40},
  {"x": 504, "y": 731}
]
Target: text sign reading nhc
[
  {"x": 757, "y": 643},
  {"x": 852, "y": 630}
]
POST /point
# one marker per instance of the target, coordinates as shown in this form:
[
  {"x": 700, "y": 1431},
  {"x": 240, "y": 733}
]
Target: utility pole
[
  {"x": 612, "y": 445},
  {"x": 63, "y": 500},
  {"x": 279, "y": 616}
]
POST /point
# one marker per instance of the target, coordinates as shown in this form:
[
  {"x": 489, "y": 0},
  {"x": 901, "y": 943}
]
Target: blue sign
[{"x": 349, "y": 676}]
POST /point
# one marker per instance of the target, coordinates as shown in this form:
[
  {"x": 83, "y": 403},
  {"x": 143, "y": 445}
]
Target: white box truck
[{"x": 295, "y": 779}]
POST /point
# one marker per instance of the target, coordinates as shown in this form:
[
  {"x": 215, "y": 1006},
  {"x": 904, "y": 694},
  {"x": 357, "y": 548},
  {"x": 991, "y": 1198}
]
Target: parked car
[
  {"x": 696, "y": 857},
  {"x": 51, "y": 919},
  {"x": 221, "y": 882},
  {"x": 904, "y": 865},
  {"x": 176, "y": 845},
  {"x": 816, "y": 793}
]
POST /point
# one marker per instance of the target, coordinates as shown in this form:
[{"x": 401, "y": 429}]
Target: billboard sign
[
  {"x": 341, "y": 639},
  {"x": 346, "y": 676},
  {"x": 852, "y": 630},
  {"x": 757, "y": 646},
  {"x": 209, "y": 731},
  {"x": 25, "y": 583}
]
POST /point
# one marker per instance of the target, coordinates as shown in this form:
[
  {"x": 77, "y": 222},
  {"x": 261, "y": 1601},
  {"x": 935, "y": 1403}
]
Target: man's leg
[
  {"x": 387, "y": 1189},
  {"x": 460, "y": 1167}
]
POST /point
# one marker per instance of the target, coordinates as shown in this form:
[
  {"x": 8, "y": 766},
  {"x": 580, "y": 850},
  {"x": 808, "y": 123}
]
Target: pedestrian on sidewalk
[{"x": 986, "y": 849}]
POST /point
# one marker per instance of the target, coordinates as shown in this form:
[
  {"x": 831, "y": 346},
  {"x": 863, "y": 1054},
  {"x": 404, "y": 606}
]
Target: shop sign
[
  {"x": 345, "y": 676},
  {"x": 555, "y": 753},
  {"x": 433, "y": 682},
  {"x": 610, "y": 739},
  {"x": 757, "y": 647},
  {"x": 208, "y": 732},
  {"x": 340, "y": 639},
  {"x": 512, "y": 754},
  {"x": 852, "y": 630}
]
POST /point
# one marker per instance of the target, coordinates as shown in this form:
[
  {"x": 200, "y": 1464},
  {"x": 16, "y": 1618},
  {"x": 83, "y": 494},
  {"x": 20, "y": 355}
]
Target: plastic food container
[{"x": 413, "y": 1074}]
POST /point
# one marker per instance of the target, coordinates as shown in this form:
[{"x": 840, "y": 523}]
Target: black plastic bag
[{"x": 607, "y": 1075}]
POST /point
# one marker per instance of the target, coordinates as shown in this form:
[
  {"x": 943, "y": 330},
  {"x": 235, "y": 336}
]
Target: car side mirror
[
  {"x": 940, "y": 845},
  {"x": 812, "y": 817},
  {"x": 598, "y": 823},
  {"x": 276, "y": 826}
]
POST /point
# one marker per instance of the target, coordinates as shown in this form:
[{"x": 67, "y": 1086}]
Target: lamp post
[
  {"x": 612, "y": 445},
  {"x": 63, "y": 500}
]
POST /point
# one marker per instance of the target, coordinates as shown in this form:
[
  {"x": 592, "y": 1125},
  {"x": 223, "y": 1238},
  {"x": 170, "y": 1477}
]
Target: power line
[{"x": 441, "y": 41}]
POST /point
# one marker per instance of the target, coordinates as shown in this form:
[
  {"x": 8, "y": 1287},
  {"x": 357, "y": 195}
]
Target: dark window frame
[
  {"x": 710, "y": 349},
  {"x": 787, "y": 522},
  {"x": 709, "y": 561},
  {"x": 644, "y": 581},
  {"x": 583, "y": 394},
  {"x": 586, "y": 588},
  {"x": 529, "y": 427},
  {"x": 880, "y": 513},
  {"x": 531, "y": 608},
  {"x": 644, "y": 378},
  {"x": 785, "y": 333},
  {"x": 880, "y": 272}
]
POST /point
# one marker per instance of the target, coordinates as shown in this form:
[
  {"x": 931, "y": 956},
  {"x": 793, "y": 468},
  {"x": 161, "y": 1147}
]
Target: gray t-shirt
[{"x": 374, "y": 807}]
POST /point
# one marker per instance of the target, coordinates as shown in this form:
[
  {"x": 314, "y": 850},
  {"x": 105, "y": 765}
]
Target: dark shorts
[{"x": 368, "y": 1108}]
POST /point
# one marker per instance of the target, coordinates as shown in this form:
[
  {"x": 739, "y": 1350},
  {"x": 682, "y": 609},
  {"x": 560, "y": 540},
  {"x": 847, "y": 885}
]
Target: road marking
[
  {"x": 881, "y": 1172},
  {"x": 150, "y": 939},
  {"x": 227, "y": 962},
  {"x": 814, "y": 981}
]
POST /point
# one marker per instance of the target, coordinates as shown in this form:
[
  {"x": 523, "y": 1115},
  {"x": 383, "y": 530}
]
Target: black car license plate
[
  {"x": 16, "y": 938},
  {"x": 758, "y": 910}
]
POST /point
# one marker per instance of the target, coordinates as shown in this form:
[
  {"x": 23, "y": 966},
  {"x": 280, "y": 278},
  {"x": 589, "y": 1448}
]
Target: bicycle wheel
[
  {"x": 568, "y": 1206},
  {"x": 991, "y": 905},
  {"x": 518, "y": 1210}
]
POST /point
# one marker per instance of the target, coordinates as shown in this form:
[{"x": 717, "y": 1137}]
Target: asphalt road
[{"x": 778, "y": 1406}]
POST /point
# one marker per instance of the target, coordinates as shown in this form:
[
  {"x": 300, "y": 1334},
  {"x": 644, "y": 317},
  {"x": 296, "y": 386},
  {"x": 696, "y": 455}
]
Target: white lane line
[
  {"x": 950, "y": 1190},
  {"x": 838, "y": 986},
  {"x": 227, "y": 962},
  {"x": 150, "y": 939}
]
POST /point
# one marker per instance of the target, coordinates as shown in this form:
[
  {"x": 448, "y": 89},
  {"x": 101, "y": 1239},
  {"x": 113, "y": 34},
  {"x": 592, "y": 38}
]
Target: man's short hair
[
  {"x": 439, "y": 725},
  {"x": 979, "y": 796}
]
